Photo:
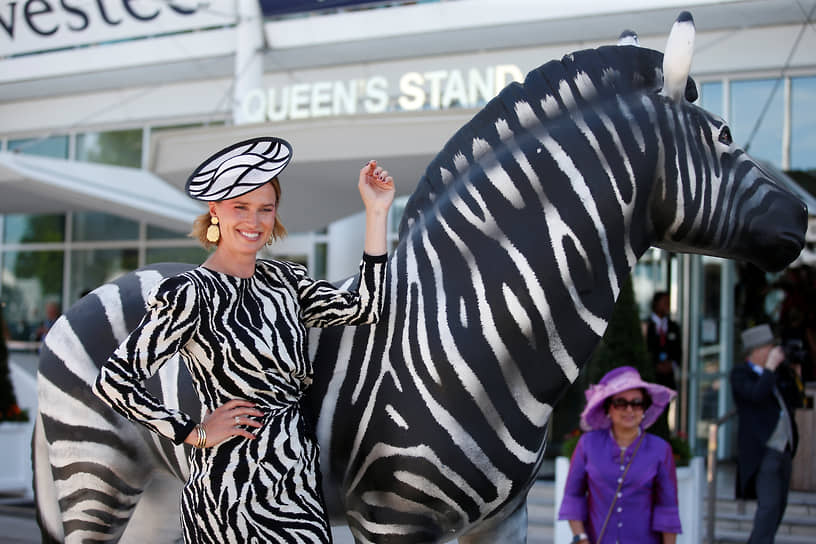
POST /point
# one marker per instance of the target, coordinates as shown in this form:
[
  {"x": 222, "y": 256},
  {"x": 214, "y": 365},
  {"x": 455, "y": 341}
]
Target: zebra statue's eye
[{"x": 725, "y": 136}]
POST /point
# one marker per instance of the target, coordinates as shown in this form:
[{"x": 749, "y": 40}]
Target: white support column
[
  {"x": 2, "y": 244},
  {"x": 146, "y": 147},
  {"x": 786, "y": 126},
  {"x": 692, "y": 296},
  {"x": 728, "y": 278},
  {"x": 67, "y": 274},
  {"x": 248, "y": 56}
]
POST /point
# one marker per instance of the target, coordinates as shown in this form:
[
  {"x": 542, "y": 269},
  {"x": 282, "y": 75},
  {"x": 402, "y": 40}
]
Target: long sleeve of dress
[
  {"x": 665, "y": 512},
  {"x": 574, "y": 503},
  {"x": 323, "y": 305},
  {"x": 169, "y": 323}
]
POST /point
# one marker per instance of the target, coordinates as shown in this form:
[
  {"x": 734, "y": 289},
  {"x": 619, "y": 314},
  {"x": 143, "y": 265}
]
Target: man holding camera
[{"x": 766, "y": 395}]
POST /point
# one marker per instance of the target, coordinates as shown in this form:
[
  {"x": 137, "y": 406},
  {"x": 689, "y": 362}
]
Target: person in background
[
  {"x": 52, "y": 313},
  {"x": 622, "y": 486},
  {"x": 663, "y": 341},
  {"x": 239, "y": 324},
  {"x": 665, "y": 349},
  {"x": 765, "y": 397},
  {"x": 4, "y": 330}
]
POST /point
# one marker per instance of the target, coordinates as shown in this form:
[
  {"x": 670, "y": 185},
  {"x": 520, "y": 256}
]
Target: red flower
[{"x": 14, "y": 413}]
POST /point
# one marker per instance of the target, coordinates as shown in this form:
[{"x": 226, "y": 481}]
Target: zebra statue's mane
[{"x": 559, "y": 87}]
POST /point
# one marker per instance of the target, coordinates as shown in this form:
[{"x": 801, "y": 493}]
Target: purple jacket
[{"x": 647, "y": 505}]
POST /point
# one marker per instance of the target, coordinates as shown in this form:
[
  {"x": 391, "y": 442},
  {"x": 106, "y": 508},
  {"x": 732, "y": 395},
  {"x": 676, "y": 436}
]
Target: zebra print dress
[{"x": 242, "y": 339}]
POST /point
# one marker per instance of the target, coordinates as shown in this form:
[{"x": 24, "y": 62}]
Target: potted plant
[{"x": 15, "y": 431}]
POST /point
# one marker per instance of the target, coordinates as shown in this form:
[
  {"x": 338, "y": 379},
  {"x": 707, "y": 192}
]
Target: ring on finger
[{"x": 237, "y": 420}]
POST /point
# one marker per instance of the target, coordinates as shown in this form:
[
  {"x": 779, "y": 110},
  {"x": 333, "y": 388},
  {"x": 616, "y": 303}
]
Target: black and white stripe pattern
[
  {"x": 239, "y": 168},
  {"x": 432, "y": 423},
  {"x": 238, "y": 338}
]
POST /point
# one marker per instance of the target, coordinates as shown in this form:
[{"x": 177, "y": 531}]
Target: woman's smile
[{"x": 249, "y": 235}]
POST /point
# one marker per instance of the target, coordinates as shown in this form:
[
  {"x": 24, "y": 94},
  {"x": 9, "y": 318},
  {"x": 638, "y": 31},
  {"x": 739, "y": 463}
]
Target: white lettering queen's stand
[
  {"x": 413, "y": 91},
  {"x": 690, "y": 482}
]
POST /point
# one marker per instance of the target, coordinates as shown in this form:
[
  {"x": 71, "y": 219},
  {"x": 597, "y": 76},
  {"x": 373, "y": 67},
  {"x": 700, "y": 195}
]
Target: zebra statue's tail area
[
  {"x": 548, "y": 91},
  {"x": 93, "y": 475}
]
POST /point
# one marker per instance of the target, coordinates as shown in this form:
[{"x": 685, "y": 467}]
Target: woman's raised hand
[
  {"x": 229, "y": 419},
  {"x": 376, "y": 188}
]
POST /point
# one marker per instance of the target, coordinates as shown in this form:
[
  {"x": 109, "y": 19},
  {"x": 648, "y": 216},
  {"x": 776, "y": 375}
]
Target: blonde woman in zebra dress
[{"x": 239, "y": 324}]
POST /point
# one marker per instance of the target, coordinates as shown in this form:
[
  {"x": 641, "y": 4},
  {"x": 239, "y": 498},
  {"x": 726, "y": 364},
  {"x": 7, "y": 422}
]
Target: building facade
[{"x": 107, "y": 106}]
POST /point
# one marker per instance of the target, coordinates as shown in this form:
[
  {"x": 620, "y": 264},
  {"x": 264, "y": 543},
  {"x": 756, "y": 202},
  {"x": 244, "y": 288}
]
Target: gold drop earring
[{"x": 213, "y": 232}]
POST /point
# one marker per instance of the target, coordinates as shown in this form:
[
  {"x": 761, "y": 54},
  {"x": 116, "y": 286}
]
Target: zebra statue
[{"x": 512, "y": 251}]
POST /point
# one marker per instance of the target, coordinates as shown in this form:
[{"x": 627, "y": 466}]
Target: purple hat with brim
[{"x": 617, "y": 381}]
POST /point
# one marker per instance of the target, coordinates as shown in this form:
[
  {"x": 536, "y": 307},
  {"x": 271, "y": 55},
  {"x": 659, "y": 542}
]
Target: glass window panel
[
  {"x": 52, "y": 146},
  {"x": 710, "y": 382},
  {"x": 159, "y": 233},
  {"x": 649, "y": 276},
  {"x": 803, "y": 123},
  {"x": 321, "y": 251},
  {"x": 748, "y": 100},
  {"x": 93, "y": 226},
  {"x": 20, "y": 228},
  {"x": 397, "y": 209},
  {"x": 192, "y": 255},
  {"x": 711, "y": 98},
  {"x": 710, "y": 302},
  {"x": 32, "y": 289},
  {"x": 117, "y": 147},
  {"x": 90, "y": 268}
]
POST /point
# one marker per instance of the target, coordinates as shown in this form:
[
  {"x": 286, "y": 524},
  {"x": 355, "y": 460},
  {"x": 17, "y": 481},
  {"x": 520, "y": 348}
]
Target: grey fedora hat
[{"x": 758, "y": 336}]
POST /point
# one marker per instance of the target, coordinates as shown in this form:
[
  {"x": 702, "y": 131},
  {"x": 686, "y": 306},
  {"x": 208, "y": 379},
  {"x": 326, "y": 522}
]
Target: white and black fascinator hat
[{"x": 239, "y": 168}]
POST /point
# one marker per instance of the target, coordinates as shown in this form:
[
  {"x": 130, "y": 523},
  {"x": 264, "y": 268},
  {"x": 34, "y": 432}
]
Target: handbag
[{"x": 617, "y": 491}]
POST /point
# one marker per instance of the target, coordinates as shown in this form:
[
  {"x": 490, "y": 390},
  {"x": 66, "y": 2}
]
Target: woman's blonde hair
[{"x": 202, "y": 222}]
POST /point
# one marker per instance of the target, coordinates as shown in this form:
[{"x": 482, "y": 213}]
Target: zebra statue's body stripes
[{"x": 432, "y": 423}]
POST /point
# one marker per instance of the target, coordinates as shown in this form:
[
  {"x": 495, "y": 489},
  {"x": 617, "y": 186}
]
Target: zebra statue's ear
[
  {"x": 677, "y": 57},
  {"x": 628, "y": 37}
]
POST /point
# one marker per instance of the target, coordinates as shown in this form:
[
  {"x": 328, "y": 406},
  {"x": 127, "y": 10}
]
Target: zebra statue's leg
[
  {"x": 157, "y": 517},
  {"x": 96, "y": 503},
  {"x": 511, "y": 530},
  {"x": 49, "y": 517}
]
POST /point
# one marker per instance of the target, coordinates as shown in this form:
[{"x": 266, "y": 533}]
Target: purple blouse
[{"x": 647, "y": 503}]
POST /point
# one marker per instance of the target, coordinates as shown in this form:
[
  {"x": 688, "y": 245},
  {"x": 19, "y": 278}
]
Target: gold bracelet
[{"x": 202, "y": 437}]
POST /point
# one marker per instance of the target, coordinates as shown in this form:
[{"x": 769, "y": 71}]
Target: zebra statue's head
[
  {"x": 616, "y": 142},
  {"x": 710, "y": 196}
]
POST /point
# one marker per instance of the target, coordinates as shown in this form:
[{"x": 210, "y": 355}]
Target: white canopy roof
[{"x": 34, "y": 184}]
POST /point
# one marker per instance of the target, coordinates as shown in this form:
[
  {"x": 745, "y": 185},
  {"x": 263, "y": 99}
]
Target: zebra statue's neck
[{"x": 501, "y": 257}]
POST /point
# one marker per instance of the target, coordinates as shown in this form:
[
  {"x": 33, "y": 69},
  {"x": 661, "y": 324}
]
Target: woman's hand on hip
[{"x": 231, "y": 419}]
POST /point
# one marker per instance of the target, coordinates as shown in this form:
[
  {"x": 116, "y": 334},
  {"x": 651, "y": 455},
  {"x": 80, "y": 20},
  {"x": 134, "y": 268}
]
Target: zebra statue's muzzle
[{"x": 777, "y": 236}]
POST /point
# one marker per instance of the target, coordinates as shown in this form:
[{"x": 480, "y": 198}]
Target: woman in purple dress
[{"x": 622, "y": 486}]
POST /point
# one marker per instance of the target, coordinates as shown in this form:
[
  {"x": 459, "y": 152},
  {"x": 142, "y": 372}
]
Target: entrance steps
[{"x": 734, "y": 519}]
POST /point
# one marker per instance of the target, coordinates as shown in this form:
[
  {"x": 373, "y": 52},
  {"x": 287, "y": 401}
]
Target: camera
[{"x": 795, "y": 351}]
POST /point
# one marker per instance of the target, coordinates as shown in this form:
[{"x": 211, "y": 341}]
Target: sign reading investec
[
  {"x": 436, "y": 89},
  {"x": 28, "y": 26}
]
